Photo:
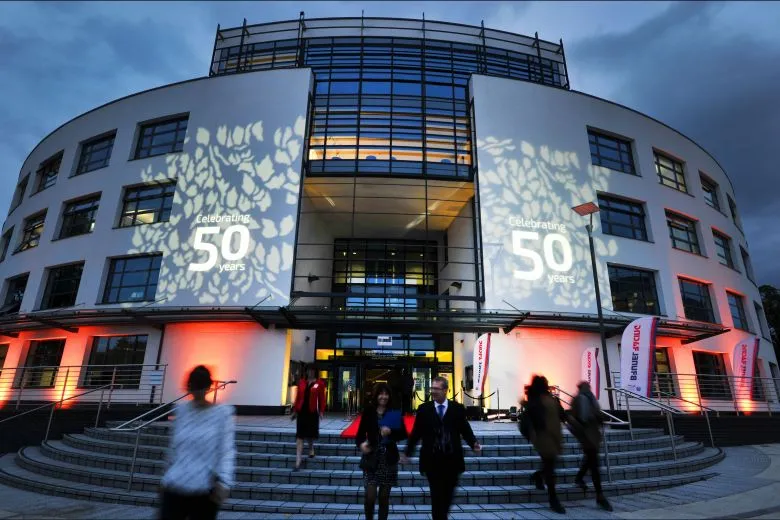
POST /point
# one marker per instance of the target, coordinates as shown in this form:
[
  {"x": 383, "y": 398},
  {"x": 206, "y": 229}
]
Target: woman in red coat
[{"x": 309, "y": 407}]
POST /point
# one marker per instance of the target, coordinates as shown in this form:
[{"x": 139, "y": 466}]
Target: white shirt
[
  {"x": 446, "y": 404},
  {"x": 202, "y": 447}
]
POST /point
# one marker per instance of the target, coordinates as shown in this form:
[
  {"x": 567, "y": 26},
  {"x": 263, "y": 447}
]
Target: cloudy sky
[{"x": 709, "y": 69}]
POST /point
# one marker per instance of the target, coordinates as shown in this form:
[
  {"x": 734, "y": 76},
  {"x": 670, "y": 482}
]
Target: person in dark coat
[
  {"x": 308, "y": 409},
  {"x": 586, "y": 422},
  {"x": 440, "y": 424},
  {"x": 379, "y": 443}
]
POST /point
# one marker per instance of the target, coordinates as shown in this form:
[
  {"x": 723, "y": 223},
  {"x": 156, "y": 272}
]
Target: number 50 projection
[
  {"x": 522, "y": 238},
  {"x": 226, "y": 246}
]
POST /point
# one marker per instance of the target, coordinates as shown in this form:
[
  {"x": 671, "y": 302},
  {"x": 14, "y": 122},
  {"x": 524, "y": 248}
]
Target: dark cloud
[{"x": 718, "y": 87}]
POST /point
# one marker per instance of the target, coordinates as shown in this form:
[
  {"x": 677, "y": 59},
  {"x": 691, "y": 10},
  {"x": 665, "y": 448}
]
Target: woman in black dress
[
  {"x": 309, "y": 407},
  {"x": 378, "y": 443}
]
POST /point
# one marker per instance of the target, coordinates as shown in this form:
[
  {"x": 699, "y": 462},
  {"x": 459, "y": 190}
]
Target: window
[
  {"x": 47, "y": 172},
  {"x": 132, "y": 279},
  {"x": 161, "y": 137},
  {"x": 611, "y": 152},
  {"x": 3, "y": 353},
  {"x": 710, "y": 188},
  {"x": 723, "y": 249},
  {"x": 757, "y": 382},
  {"x": 79, "y": 217},
  {"x": 21, "y": 188},
  {"x": 633, "y": 290},
  {"x": 31, "y": 233},
  {"x": 711, "y": 375},
  {"x": 147, "y": 204},
  {"x": 737, "y": 311},
  {"x": 748, "y": 265},
  {"x": 733, "y": 209},
  {"x": 14, "y": 293},
  {"x": 109, "y": 351},
  {"x": 62, "y": 286},
  {"x": 43, "y": 362},
  {"x": 95, "y": 154},
  {"x": 5, "y": 243},
  {"x": 761, "y": 318},
  {"x": 663, "y": 386},
  {"x": 622, "y": 218},
  {"x": 696, "y": 300},
  {"x": 682, "y": 231},
  {"x": 670, "y": 172}
]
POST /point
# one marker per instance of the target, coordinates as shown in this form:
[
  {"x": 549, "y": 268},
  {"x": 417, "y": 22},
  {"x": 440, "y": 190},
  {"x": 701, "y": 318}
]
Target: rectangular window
[
  {"x": 43, "y": 362},
  {"x": 147, "y": 204},
  {"x": 62, "y": 286},
  {"x": 611, "y": 152},
  {"x": 733, "y": 209},
  {"x": 761, "y": 318},
  {"x": 723, "y": 249},
  {"x": 682, "y": 231},
  {"x": 31, "y": 233},
  {"x": 622, "y": 218},
  {"x": 108, "y": 352},
  {"x": 21, "y": 188},
  {"x": 161, "y": 137},
  {"x": 758, "y": 382},
  {"x": 710, "y": 188},
  {"x": 132, "y": 279},
  {"x": 3, "y": 354},
  {"x": 14, "y": 293},
  {"x": 79, "y": 217},
  {"x": 5, "y": 243},
  {"x": 95, "y": 154},
  {"x": 737, "y": 311},
  {"x": 663, "y": 386},
  {"x": 633, "y": 290},
  {"x": 748, "y": 265},
  {"x": 47, "y": 172},
  {"x": 670, "y": 172},
  {"x": 696, "y": 300},
  {"x": 711, "y": 375}
]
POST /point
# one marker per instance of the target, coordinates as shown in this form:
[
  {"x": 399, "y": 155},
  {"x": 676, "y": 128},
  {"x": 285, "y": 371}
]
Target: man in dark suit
[{"x": 440, "y": 424}]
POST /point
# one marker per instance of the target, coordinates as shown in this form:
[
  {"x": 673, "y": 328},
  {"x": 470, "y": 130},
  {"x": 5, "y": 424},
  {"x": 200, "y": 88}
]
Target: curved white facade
[{"x": 227, "y": 243}]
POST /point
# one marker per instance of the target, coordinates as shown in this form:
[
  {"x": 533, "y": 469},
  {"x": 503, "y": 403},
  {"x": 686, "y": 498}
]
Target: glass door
[
  {"x": 346, "y": 397},
  {"x": 422, "y": 385}
]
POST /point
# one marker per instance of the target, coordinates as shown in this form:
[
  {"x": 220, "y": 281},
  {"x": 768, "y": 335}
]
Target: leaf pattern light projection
[
  {"x": 229, "y": 171},
  {"x": 520, "y": 180}
]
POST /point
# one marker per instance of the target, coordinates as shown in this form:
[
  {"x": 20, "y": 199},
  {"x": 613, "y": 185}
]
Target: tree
[{"x": 771, "y": 297}]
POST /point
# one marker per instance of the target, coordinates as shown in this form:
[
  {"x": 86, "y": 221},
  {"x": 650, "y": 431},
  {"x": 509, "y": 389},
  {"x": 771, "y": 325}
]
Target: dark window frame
[
  {"x": 84, "y": 207},
  {"x": 747, "y": 263},
  {"x": 683, "y": 224},
  {"x": 712, "y": 384},
  {"x": 92, "y": 147},
  {"x": 48, "y": 171},
  {"x": 107, "y": 353},
  {"x": 32, "y": 374},
  {"x": 737, "y": 303},
  {"x": 21, "y": 188},
  {"x": 616, "y": 272},
  {"x": 117, "y": 271},
  {"x": 152, "y": 129},
  {"x": 723, "y": 249},
  {"x": 631, "y": 210},
  {"x": 600, "y": 141},
  {"x": 29, "y": 233},
  {"x": 733, "y": 210},
  {"x": 700, "y": 310},
  {"x": 763, "y": 325},
  {"x": 12, "y": 299},
  {"x": 663, "y": 384},
  {"x": 671, "y": 171},
  {"x": 135, "y": 196},
  {"x": 711, "y": 191},
  {"x": 60, "y": 275},
  {"x": 5, "y": 242}
]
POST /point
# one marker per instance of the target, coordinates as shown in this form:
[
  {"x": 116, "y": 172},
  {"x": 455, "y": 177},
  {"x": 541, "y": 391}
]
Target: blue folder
[{"x": 391, "y": 419}]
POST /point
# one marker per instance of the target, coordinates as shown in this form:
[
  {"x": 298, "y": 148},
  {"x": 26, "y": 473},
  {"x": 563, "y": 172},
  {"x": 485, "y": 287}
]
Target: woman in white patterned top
[{"x": 201, "y": 455}]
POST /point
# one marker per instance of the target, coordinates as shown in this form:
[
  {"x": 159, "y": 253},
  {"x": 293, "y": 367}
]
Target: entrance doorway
[{"x": 388, "y": 374}]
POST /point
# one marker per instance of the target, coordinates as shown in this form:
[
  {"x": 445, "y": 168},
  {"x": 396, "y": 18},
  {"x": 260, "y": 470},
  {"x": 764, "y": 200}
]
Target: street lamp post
[{"x": 589, "y": 208}]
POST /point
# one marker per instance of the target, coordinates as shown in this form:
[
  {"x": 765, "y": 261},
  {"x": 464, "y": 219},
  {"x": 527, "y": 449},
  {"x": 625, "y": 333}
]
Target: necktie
[{"x": 441, "y": 411}]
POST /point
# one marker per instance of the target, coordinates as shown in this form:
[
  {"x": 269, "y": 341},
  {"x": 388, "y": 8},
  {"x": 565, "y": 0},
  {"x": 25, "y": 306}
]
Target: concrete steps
[{"x": 94, "y": 465}]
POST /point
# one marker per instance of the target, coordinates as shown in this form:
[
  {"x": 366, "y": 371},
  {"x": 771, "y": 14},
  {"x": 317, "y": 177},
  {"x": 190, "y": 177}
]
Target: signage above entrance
[{"x": 384, "y": 341}]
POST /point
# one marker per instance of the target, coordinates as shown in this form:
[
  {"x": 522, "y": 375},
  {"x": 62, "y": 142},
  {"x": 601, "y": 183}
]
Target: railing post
[
  {"x": 132, "y": 464},
  {"x": 628, "y": 412},
  {"x": 100, "y": 405},
  {"x": 670, "y": 422},
  {"x": 733, "y": 389},
  {"x": 766, "y": 396},
  {"x": 698, "y": 392},
  {"x": 162, "y": 387},
  {"x": 64, "y": 386},
  {"x": 111, "y": 389},
  {"x": 48, "y": 426},
  {"x": 606, "y": 454},
  {"x": 709, "y": 428},
  {"x": 21, "y": 387},
  {"x": 54, "y": 405}
]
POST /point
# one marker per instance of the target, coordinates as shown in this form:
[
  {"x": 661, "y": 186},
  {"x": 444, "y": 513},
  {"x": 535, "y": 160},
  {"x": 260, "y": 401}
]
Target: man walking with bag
[{"x": 441, "y": 424}]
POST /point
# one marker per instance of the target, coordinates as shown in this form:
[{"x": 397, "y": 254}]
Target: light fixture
[
  {"x": 457, "y": 285},
  {"x": 313, "y": 278}
]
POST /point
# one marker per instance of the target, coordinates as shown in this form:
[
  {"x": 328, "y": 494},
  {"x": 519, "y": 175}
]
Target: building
[{"x": 370, "y": 195}]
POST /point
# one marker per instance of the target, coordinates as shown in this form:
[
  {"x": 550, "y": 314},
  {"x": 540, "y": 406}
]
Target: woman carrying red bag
[{"x": 308, "y": 409}]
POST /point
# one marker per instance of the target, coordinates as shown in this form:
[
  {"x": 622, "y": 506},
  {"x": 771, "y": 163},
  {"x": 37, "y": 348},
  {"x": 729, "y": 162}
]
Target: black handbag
[{"x": 369, "y": 461}]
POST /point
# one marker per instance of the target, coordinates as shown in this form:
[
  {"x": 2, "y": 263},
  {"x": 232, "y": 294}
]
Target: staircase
[{"x": 94, "y": 465}]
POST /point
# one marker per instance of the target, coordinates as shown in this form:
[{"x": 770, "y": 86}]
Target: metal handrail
[
  {"x": 669, "y": 411},
  {"x": 614, "y": 420},
  {"x": 678, "y": 398},
  {"x": 137, "y": 429}
]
